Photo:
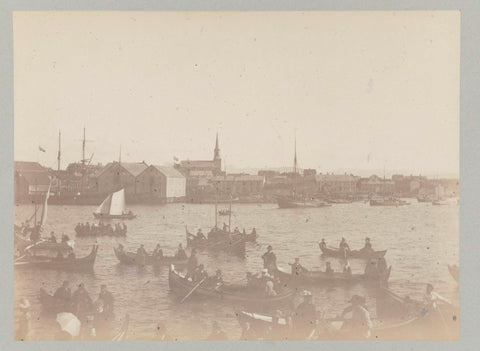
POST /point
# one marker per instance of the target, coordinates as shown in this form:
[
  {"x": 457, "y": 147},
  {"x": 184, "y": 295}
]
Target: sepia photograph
[{"x": 218, "y": 175}]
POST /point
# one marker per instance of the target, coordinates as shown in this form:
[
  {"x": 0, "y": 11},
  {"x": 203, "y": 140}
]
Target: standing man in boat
[
  {"x": 107, "y": 298},
  {"x": 192, "y": 264},
  {"x": 82, "y": 301},
  {"x": 297, "y": 268},
  {"x": 305, "y": 317},
  {"x": 323, "y": 244},
  {"x": 368, "y": 244},
  {"x": 269, "y": 258},
  {"x": 181, "y": 254},
  {"x": 360, "y": 324},
  {"x": 344, "y": 248},
  {"x": 157, "y": 253},
  {"x": 64, "y": 295}
]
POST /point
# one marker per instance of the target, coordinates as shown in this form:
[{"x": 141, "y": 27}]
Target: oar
[{"x": 191, "y": 291}]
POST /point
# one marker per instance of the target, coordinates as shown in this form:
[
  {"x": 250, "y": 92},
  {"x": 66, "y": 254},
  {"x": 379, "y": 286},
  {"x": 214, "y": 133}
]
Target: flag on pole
[{"x": 41, "y": 148}]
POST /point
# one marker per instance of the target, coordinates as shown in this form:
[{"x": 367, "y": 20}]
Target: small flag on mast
[{"x": 41, "y": 148}]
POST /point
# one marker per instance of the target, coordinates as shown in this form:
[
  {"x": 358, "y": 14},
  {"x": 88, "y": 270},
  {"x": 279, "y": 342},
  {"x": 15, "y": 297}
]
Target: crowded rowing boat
[
  {"x": 142, "y": 258},
  {"x": 344, "y": 250},
  {"x": 100, "y": 229}
]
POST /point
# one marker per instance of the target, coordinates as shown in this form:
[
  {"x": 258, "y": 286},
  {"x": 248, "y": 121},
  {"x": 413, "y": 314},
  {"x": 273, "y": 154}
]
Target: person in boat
[
  {"x": 254, "y": 232},
  {"x": 305, "y": 317},
  {"x": 200, "y": 274},
  {"x": 217, "y": 279},
  {"x": 192, "y": 264},
  {"x": 368, "y": 244},
  {"x": 344, "y": 248},
  {"x": 24, "y": 323},
  {"x": 82, "y": 301},
  {"x": 65, "y": 239},
  {"x": 269, "y": 258},
  {"x": 141, "y": 251},
  {"x": 360, "y": 324},
  {"x": 323, "y": 244},
  {"x": 270, "y": 289},
  {"x": 217, "y": 332},
  {"x": 181, "y": 254},
  {"x": 63, "y": 294},
  {"x": 158, "y": 252},
  {"x": 53, "y": 238},
  {"x": 200, "y": 235},
  {"x": 161, "y": 333},
  {"x": 431, "y": 298},
  {"x": 297, "y": 268},
  {"x": 328, "y": 268},
  {"x": 107, "y": 299},
  {"x": 347, "y": 270}
]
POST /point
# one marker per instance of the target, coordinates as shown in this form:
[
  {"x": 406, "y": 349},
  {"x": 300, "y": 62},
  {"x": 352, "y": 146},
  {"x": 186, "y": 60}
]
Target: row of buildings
[{"x": 204, "y": 181}]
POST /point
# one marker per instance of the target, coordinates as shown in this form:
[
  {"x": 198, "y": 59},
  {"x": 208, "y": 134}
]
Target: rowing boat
[
  {"x": 257, "y": 326},
  {"x": 234, "y": 243},
  {"x": 319, "y": 277},
  {"x": 71, "y": 264},
  {"x": 239, "y": 294},
  {"x": 148, "y": 260},
  {"x": 362, "y": 253}
]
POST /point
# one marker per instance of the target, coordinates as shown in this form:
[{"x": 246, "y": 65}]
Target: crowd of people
[{"x": 86, "y": 229}]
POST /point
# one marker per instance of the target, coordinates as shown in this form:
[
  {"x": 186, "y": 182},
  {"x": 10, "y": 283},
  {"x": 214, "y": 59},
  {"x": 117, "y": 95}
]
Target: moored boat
[
  {"x": 133, "y": 259},
  {"x": 69, "y": 264},
  {"x": 113, "y": 207},
  {"x": 224, "y": 212},
  {"x": 307, "y": 277},
  {"x": 238, "y": 294},
  {"x": 223, "y": 241},
  {"x": 290, "y": 202},
  {"x": 388, "y": 202},
  {"x": 361, "y": 254},
  {"x": 257, "y": 326}
]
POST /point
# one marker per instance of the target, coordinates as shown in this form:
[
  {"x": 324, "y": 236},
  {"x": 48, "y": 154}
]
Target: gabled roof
[
  {"x": 168, "y": 172},
  {"x": 36, "y": 178},
  {"x": 134, "y": 168},
  {"x": 23, "y": 166}
]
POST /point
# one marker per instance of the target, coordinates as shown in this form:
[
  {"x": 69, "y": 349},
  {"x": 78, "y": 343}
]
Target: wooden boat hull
[
  {"x": 362, "y": 254},
  {"x": 454, "y": 272},
  {"x": 235, "y": 294},
  {"x": 336, "y": 278},
  {"x": 235, "y": 245},
  {"x": 97, "y": 231},
  {"x": 285, "y": 202},
  {"x": 43, "y": 262},
  {"x": 262, "y": 327},
  {"x": 132, "y": 259},
  {"x": 109, "y": 216}
]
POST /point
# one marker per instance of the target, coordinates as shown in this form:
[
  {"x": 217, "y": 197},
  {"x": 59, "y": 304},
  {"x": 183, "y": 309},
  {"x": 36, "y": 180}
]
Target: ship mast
[
  {"x": 295, "y": 168},
  {"x": 59, "y": 149}
]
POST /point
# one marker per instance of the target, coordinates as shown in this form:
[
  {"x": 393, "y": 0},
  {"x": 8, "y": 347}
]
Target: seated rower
[
  {"x": 217, "y": 278},
  {"x": 323, "y": 244},
  {"x": 328, "y": 268},
  {"x": 368, "y": 244},
  {"x": 200, "y": 274},
  {"x": 158, "y": 252},
  {"x": 344, "y": 246},
  {"x": 200, "y": 235},
  {"x": 360, "y": 324},
  {"x": 269, "y": 258},
  {"x": 141, "y": 251},
  {"x": 53, "y": 238},
  {"x": 181, "y": 254}
]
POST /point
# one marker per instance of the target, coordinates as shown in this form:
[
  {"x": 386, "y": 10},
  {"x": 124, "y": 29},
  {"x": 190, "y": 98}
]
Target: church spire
[{"x": 216, "y": 152}]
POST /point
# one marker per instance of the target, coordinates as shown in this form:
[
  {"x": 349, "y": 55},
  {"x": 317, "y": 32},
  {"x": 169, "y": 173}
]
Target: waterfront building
[
  {"x": 31, "y": 181},
  {"x": 116, "y": 175},
  {"x": 161, "y": 184},
  {"x": 189, "y": 167},
  {"x": 336, "y": 185}
]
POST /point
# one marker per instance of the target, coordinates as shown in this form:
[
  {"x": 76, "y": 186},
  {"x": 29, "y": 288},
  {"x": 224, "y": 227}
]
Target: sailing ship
[
  {"x": 113, "y": 207},
  {"x": 294, "y": 201}
]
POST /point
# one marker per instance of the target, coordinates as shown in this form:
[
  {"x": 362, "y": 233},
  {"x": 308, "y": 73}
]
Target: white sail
[
  {"x": 104, "y": 207},
  {"x": 44, "y": 209},
  {"x": 117, "y": 206}
]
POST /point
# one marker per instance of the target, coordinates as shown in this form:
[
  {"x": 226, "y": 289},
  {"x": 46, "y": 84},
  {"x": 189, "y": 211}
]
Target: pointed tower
[{"x": 216, "y": 158}]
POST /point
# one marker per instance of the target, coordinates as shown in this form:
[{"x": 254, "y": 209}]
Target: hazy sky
[{"x": 361, "y": 90}]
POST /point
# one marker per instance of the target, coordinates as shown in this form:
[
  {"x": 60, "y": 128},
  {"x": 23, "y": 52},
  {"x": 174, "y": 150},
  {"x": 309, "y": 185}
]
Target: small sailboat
[{"x": 113, "y": 207}]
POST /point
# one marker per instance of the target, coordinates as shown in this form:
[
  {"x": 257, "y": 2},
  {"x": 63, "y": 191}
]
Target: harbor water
[{"x": 421, "y": 240}]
